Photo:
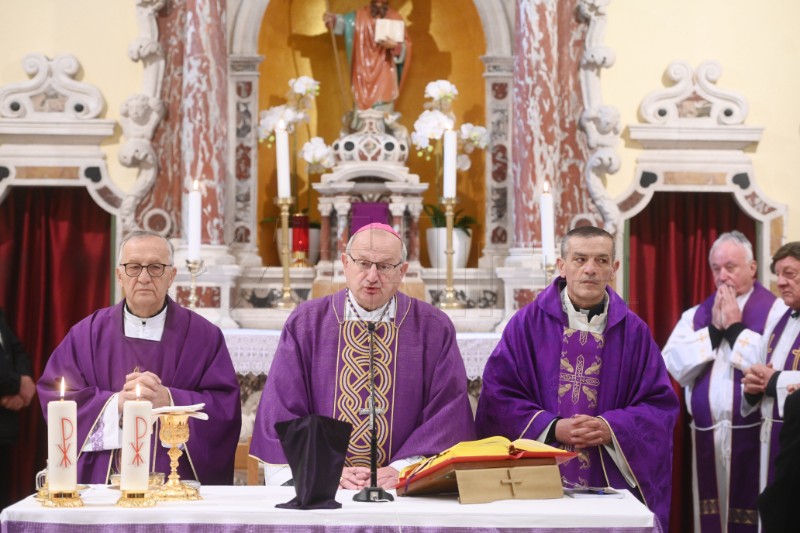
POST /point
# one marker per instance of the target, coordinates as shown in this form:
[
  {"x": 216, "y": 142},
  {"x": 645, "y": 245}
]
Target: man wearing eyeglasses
[
  {"x": 321, "y": 367},
  {"x": 173, "y": 355}
]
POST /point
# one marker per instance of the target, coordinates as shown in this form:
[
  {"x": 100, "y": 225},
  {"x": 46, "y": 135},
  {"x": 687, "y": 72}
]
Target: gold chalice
[{"x": 175, "y": 431}]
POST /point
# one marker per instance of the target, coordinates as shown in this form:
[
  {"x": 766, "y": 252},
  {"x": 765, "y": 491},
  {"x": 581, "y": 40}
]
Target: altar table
[
  {"x": 252, "y": 509},
  {"x": 252, "y": 350}
]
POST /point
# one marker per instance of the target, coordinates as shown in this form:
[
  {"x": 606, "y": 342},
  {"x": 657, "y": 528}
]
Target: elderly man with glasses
[
  {"x": 173, "y": 355},
  {"x": 321, "y": 367}
]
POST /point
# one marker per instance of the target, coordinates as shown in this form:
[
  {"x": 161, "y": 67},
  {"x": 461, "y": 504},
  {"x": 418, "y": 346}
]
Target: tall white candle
[
  {"x": 136, "y": 429},
  {"x": 62, "y": 444},
  {"x": 449, "y": 166},
  {"x": 195, "y": 222},
  {"x": 282, "y": 160},
  {"x": 548, "y": 225}
]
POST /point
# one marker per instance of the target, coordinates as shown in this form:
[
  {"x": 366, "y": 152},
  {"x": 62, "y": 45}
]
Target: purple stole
[
  {"x": 351, "y": 402},
  {"x": 790, "y": 364},
  {"x": 578, "y": 387},
  {"x": 745, "y": 441}
]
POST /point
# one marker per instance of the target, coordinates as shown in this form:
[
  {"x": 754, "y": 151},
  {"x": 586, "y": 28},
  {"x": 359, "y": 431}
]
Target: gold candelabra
[
  {"x": 286, "y": 301},
  {"x": 449, "y": 300},
  {"x": 195, "y": 266},
  {"x": 175, "y": 432}
]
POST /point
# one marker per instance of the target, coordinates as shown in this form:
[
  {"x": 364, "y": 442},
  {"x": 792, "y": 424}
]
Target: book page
[{"x": 389, "y": 29}]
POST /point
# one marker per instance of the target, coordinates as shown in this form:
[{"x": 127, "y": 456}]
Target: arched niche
[
  {"x": 244, "y": 23},
  {"x": 693, "y": 140}
]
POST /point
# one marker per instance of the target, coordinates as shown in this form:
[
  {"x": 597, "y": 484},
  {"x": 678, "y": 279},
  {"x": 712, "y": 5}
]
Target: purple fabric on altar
[
  {"x": 520, "y": 398},
  {"x": 191, "y": 359},
  {"x": 363, "y": 213},
  {"x": 430, "y": 408},
  {"x": 745, "y": 441}
]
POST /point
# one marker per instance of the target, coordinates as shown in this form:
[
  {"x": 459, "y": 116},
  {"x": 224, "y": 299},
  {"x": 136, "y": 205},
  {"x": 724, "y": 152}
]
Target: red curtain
[
  {"x": 54, "y": 270},
  {"x": 669, "y": 273}
]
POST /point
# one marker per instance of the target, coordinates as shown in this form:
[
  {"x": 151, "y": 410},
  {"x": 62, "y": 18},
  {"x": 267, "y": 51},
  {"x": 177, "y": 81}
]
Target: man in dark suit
[
  {"x": 778, "y": 503},
  {"x": 16, "y": 392}
]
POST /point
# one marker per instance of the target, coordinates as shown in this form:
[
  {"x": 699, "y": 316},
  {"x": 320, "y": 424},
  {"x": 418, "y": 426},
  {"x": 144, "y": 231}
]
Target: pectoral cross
[{"x": 368, "y": 409}]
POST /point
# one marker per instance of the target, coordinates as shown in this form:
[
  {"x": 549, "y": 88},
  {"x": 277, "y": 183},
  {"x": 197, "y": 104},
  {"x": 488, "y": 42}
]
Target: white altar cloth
[
  {"x": 252, "y": 350},
  {"x": 252, "y": 509}
]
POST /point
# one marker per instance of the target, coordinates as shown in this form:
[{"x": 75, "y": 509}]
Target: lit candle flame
[
  {"x": 138, "y": 393},
  {"x": 196, "y": 185},
  {"x": 62, "y": 387},
  {"x": 281, "y": 125},
  {"x": 546, "y": 187}
]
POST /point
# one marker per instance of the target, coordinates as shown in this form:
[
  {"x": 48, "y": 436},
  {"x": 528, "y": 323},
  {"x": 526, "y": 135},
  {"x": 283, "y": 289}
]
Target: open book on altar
[
  {"x": 389, "y": 29},
  {"x": 440, "y": 473}
]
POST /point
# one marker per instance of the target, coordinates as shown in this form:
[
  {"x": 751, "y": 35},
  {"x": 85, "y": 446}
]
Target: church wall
[
  {"x": 447, "y": 42},
  {"x": 758, "y": 47},
  {"x": 97, "y": 32}
]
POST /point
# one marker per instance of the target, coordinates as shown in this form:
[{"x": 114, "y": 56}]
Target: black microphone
[{"x": 373, "y": 493}]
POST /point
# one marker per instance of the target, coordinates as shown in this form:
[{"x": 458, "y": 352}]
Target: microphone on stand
[{"x": 373, "y": 493}]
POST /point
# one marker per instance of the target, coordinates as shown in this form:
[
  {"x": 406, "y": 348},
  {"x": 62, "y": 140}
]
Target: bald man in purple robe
[
  {"x": 578, "y": 370},
  {"x": 175, "y": 356},
  {"x": 321, "y": 366}
]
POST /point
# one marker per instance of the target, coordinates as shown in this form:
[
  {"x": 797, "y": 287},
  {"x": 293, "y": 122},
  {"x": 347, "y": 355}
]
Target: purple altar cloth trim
[{"x": 39, "y": 527}]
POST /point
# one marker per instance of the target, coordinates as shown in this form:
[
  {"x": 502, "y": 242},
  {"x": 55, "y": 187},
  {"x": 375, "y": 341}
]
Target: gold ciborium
[{"x": 175, "y": 431}]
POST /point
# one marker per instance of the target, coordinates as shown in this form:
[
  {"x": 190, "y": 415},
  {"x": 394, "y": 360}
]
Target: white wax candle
[
  {"x": 548, "y": 225},
  {"x": 449, "y": 170},
  {"x": 62, "y": 444},
  {"x": 282, "y": 160},
  {"x": 195, "y": 222},
  {"x": 136, "y": 430}
]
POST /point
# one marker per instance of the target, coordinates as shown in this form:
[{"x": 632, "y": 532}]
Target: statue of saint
[{"x": 378, "y": 63}]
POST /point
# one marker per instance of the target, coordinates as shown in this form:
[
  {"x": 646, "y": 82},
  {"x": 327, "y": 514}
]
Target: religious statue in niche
[{"x": 378, "y": 52}]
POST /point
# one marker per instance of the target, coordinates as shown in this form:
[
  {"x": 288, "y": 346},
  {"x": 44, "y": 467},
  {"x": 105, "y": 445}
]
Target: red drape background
[
  {"x": 669, "y": 273},
  {"x": 54, "y": 270}
]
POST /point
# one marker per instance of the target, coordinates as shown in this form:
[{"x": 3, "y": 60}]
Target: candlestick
[
  {"x": 548, "y": 226},
  {"x": 286, "y": 301},
  {"x": 449, "y": 182},
  {"x": 282, "y": 160},
  {"x": 62, "y": 444},
  {"x": 195, "y": 222},
  {"x": 449, "y": 300}
]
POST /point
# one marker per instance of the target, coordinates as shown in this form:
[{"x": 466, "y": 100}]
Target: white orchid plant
[
  {"x": 318, "y": 155},
  {"x": 301, "y": 95},
  {"x": 438, "y": 117}
]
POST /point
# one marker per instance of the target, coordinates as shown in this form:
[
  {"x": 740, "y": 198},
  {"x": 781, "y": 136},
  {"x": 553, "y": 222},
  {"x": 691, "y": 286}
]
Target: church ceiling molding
[
  {"x": 141, "y": 113},
  {"x": 50, "y": 131},
  {"x": 693, "y": 139}
]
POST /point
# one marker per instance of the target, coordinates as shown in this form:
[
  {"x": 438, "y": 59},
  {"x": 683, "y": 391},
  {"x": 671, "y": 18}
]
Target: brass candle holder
[
  {"x": 175, "y": 432},
  {"x": 136, "y": 499},
  {"x": 195, "y": 267},
  {"x": 286, "y": 301},
  {"x": 61, "y": 499},
  {"x": 549, "y": 271},
  {"x": 449, "y": 300}
]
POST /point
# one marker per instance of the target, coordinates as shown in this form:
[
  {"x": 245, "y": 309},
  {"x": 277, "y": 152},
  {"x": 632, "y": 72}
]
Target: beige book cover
[{"x": 389, "y": 29}]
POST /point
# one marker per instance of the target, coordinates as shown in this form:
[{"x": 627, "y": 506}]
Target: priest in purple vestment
[
  {"x": 174, "y": 355},
  {"x": 705, "y": 355},
  {"x": 321, "y": 366},
  {"x": 577, "y": 369}
]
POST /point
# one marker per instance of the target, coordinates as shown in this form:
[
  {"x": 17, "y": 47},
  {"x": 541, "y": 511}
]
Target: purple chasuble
[
  {"x": 792, "y": 363},
  {"x": 520, "y": 395},
  {"x": 745, "y": 433},
  {"x": 320, "y": 368},
  {"x": 191, "y": 359}
]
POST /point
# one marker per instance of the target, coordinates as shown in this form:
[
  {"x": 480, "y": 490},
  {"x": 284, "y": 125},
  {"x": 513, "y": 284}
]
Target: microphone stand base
[{"x": 373, "y": 494}]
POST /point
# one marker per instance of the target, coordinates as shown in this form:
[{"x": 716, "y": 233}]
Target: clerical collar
[
  {"x": 145, "y": 328},
  {"x": 592, "y": 319},
  {"x": 353, "y": 311}
]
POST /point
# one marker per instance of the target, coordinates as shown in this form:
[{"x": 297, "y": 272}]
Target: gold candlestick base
[
  {"x": 62, "y": 499},
  {"x": 286, "y": 302},
  {"x": 195, "y": 267},
  {"x": 131, "y": 499},
  {"x": 175, "y": 431},
  {"x": 449, "y": 300},
  {"x": 549, "y": 271}
]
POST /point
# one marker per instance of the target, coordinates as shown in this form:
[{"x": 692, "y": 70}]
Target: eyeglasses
[
  {"x": 365, "y": 265},
  {"x": 156, "y": 270}
]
